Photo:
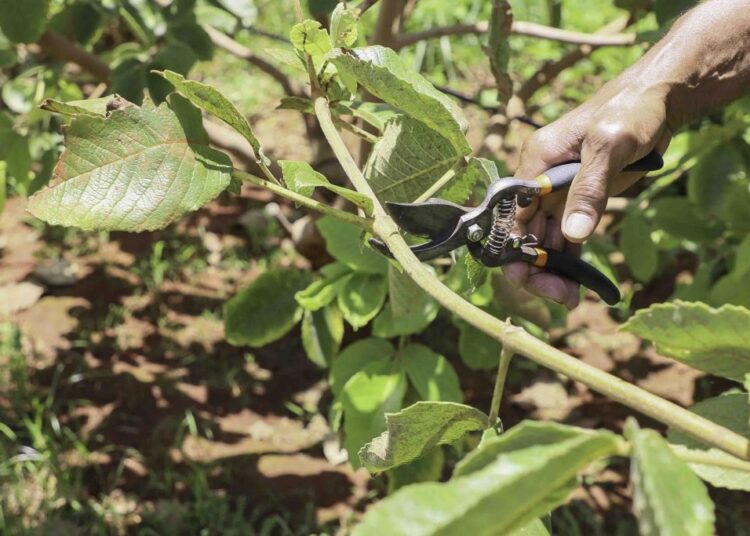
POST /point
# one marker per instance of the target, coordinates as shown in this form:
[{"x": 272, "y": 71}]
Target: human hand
[{"x": 619, "y": 125}]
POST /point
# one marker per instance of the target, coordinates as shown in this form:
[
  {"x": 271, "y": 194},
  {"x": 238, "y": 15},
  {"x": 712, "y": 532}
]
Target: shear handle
[
  {"x": 559, "y": 177},
  {"x": 577, "y": 270}
]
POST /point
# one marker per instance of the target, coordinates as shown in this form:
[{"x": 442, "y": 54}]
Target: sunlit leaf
[
  {"x": 343, "y": 26},
  {"x": 138, "y": 169},
  {"x": 384, "y": 74},
  {"x": 361, "y": 298},
  {"x": 668, "y": 497},
  {"x": 716, "y": 341},
  {"x": 323, "y": 291},
  {"x": 310, "y": 37},
  {"x": 93, "y": 107},
  {"x": 266, "y": 310},
  {"x": 506, "y": 495},
  {"x": 302, "y": 178},
  {"x": 418, "y": 429},
  {"x": 377, "y": 389},
  {"x": 322, "y": 332},
  {"x": 432, "y": 375},
  {"x": 355, "y": 357}
]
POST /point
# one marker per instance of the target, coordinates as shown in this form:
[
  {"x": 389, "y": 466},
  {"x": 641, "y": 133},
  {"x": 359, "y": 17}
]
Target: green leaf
[
  {"x": 506, "y": 495},
  {"x": 682, "y": 219},
  {"x": 431, "y": 374},
  {"x": 18, "y": 157},
  {"x": 534, "y": 528},
  {"x": 383, "y": 73},
  {"x": 408, "y": 159},
  {"x": 92, "y": 107},
  {"x": 407, "y": 298},
  {"x": 712, "y": 175},
  {"x": 3, "y": 186},
  {"x": 742, "y": 257},
  {"x": 303, "y": 179},
  {"x": 716, "y": 341},
  {"x": 355, "y": 357},
  {"x": 266, "y": 310},
  {"x": 386, "y": 326},
  {"x": 175, "y": 56},
  {"x": 376, "y": 114},
  {"x": 310, "y": 38},
  {"x": 361, "y": 298},
  {"x": 498, "y": 48},
  {"x": 733, "y": 412},
  {"x": 129, "y": 80},
  {"x": 211, "y": 100},
  {"x": 666, "y": 10},
  {"x": 477, "y": 349},
  {"x": 476, "y": 272},
  {"x": 377, "y": 389},
  {"x": 343, "y": 242},
  {"x": 344, "y": 30},
  {"x": 323, "y": 291},
  {"x": 524, "y": 435},
  {"x": 668, "y": 498},
  {"x": 139, "y": 169},
  {"x": 641, "y": 254},
  {"x": 426, "y": 468},
  {"x": 322, "y": 332},
  {"x": 417, "y": 430},
  {"x": 23, "y": 21}
]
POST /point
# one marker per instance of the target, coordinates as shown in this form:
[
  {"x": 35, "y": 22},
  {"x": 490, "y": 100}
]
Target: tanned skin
[{"x": 702, "y": 63}]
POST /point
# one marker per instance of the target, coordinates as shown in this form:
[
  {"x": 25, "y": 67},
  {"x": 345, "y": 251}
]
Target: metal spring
[{"x": 503, "y": 216}]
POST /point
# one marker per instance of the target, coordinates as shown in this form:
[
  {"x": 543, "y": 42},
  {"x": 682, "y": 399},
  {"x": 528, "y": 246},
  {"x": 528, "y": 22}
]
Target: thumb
[{"x": 602, "y": 157}]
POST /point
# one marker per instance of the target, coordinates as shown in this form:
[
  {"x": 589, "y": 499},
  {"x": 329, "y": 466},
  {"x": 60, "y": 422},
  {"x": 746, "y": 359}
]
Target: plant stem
[
  {"x": 706, "y": 457},
  {"x": 515, "y": 338},
  {"x": 497, "y": 394},
  {"x": 435, "y": 188},
  {"x": 342, "y": 215}
]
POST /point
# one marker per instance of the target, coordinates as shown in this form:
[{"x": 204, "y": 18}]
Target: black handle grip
[
  {"x": 583, "y": 273},
  {"x": 561, "y": 176}
]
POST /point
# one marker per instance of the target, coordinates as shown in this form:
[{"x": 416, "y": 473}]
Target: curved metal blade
[
  {"x": 429, "y": 250},
  {"x": 434, "y": 218}
]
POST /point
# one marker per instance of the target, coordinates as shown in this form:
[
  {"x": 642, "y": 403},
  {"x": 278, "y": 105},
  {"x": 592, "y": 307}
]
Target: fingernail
[{"x": 578, "y": 226}]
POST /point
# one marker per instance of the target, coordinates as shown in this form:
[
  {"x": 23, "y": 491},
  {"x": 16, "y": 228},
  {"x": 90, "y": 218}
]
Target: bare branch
[
  {"x": 222, "y": 40},
  {"x": 364, "y": 6},
  {"x": 551, "y": 69},
  {"x": 530, "y": 29},
  {"x": 59, "y": 47}
]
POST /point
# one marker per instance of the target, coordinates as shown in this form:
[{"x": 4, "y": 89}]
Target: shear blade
[{"x": 434, "y": 218}]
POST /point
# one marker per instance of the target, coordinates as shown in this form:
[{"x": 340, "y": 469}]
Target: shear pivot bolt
[{"x": 474, "y": 233}]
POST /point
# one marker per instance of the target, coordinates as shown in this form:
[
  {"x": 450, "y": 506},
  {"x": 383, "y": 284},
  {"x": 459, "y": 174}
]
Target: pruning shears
[{"x": 486, "y": 228}]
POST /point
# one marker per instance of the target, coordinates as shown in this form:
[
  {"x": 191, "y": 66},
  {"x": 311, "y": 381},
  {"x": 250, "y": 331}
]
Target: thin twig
[
  {"x": 308, "y": 202},
  {"x": 529, "y": 29},
  {"x": 516, "y": 339},
  {"x": 58, "y": 46},
  {"x": 364, "y": 6},
  {"x": 497, "y": 394},
  {"x": 438, "y": 184}
]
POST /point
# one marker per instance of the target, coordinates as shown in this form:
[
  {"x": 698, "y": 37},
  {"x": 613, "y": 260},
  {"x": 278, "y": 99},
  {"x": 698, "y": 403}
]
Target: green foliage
[
  {"x": 23, "y": 21},
  {"x": 431, "y": 374},
  {"x": 418, "y": 429},
  {"x": 322, "y": 332},
  {"x": 343, "y": 241},
  {"x": 668, "y": 498},
  {"x": 384, "y": 74},
  {"x": 310, "y": 38},
  {"x": 361, "y": 298},
  {"x": 733, "y": 412},
  {"x": 527, "y": 482},
  {"x": 303, "y": 179},
  {"x": 355, "y": 357},
  {"x": 640, "y": 252},
  {"x": 344, "y": 29},
  {"x": 713, "y": 340},
  {"x": 266, "y": 310},
  {"x": 161, "y": 150}
]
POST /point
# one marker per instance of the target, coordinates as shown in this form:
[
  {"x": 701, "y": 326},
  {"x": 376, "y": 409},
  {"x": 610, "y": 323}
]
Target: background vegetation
[{"x": 127, "y": 407}]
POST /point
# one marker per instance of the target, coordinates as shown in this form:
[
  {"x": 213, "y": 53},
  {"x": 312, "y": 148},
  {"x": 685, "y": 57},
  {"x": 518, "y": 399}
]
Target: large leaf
[
  {"x": 344, "y": 243},
  {"x": 377, "y": 389},
  {"x": 23, "y": 21},
  {"x": 323, "y": 291},
  {"x": 310, "y": 38},
  {"x": 506, "y": 495},
  {"x": 669, "y": 499},
  {"x": 302, "y": 178},
  {"x": 355, "y": 357},
  {"x": 138, "y": 169},
  {"x": 211, "y": 100},
  {"x": 713, "y": 340},
  {"x": 407, "y": 298},
  {"x": 710, "y": 179},
  {"x": 386, "y": 325},
  {"x": 416, "y": 430},
  {"x": 361, "y": 298},
  {"x": 681, "y": 218},
  {"x": 498, "y": 48},
  {"x": 266, "y": 310},
  {"x": 344, "y": 30},
  {"x": 477, "y": 349},
  {"x": 408, "y": 159},
  {"x": 431, "y": 374},
  {"x": 524, "y": 435},
  {"x": 384, "y": 74},
  {"x": 731, "y": 411}
]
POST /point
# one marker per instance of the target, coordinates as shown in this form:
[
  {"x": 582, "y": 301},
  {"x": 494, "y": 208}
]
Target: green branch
[
  {"x": 497, "y": 394},
  {"x": 307, "y": 202},
  {"x": 515, "y": 338}
]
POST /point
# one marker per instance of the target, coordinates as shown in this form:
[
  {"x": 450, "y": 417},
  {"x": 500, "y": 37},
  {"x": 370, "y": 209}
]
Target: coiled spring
[{"x": 503, "y": 216}]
